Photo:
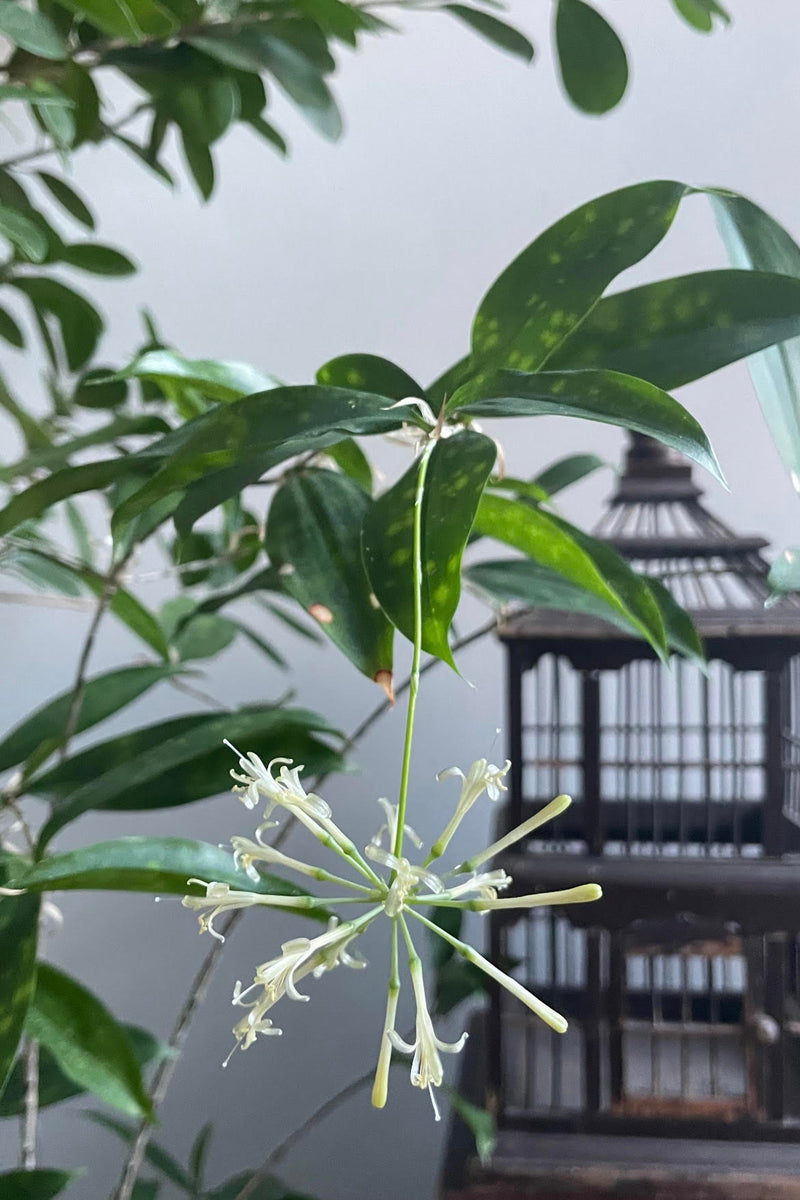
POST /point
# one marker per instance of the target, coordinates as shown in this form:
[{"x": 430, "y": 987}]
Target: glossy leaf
[
  {"x": 458, "y": 469},
  {"x": 681, "y": 633},
  {"x": 548, "y": 289},
  {"x": 97, "y": 259},
  {"x": 31, "y": 30},
  {"x": 594, "y": 66},
  {"x": 86, "y": 1041},
  {"x": 68, "y": 198},
  {"x": 179, "y": 761},
  {"x": 314, "y": 539},
  {"x": 541, "y": 538},
  {"x": 248, "y": 437},
  {"x": 160, "y": 866},
  {"x": 19, "y": 923},
  {"x": 681, "y": 329},
  {"x": 215, "y": 378},
  {"x": 369, "y": 373},
  {"x": 754, "y": 240},
  {"x": 39, "y": 1184},
  {"x": 70, "y": 481},
  {"x": 24, "y": 234},
  {"x": 79, "y": 321},
  {"x": 595, "y": 395},
  {"x": 103, "y": 696},
  {"x": 56, "y": 1087},
  {"x": 567, "y": 471},
  {"x": 500, "y": 34}
]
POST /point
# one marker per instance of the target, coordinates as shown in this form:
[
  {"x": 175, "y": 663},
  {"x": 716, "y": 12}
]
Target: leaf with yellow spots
[
  {"x": 549, "y": 288},
  {"x": 369, "y": 373},
  {"x": 681, "y": 329},
  {"x": 314, "y": 539},
  {"x": 19, "y": 922},
  {"x": 607, "y": 396},
  {"x": 458, "y": 470}
]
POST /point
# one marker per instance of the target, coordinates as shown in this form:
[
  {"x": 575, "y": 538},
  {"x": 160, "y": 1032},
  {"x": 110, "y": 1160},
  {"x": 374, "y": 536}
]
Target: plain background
[{"x": 454, "y": 157}]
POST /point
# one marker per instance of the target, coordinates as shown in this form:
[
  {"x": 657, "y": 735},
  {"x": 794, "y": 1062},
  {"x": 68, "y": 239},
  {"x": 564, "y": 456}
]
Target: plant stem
[
  {"x": 31, "y": 1117},
  {"x": 79, "y": 687},
  {"x": 414, "y": 678}
]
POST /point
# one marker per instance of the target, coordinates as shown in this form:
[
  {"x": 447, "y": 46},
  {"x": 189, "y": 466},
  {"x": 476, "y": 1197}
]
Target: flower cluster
[{"x": 397, "y": 891}]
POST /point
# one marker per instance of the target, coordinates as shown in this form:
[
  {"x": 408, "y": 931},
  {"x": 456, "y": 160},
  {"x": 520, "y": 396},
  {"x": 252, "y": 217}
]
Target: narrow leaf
[
  {"x": 68, "y": 198},
  {"x": 567, "y": 471},
  {"x": 97, "y": 259},
  {"x": 156, "y": 1155},
  {"x": 506, "y": 37},
  {"x": 215, "y": 378},
  {"x": 23, "y": 233},
  {"x": 31, "y": 30},
  {"x": 19, "y": 922},
  {"x": 458, "y": 469},
  {"x": 70, "y": 481}
]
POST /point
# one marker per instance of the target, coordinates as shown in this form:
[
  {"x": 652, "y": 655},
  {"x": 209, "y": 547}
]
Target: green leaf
[
  {"x": 314, "y": 539},
  {"x": 262, "y": 644},
  {"x": 32, "y": 432},
  {"x": 19, "y": 923},
  {"x": 41, "y": 94},
  {"x": 369, "y": 373},
  {"x": 200, "y": 163},
  {"x": 179, "y": 761},
  {"x": 351, "y": 459},
  {"x": 700, "y": 14},
  {"x": 548, "y": 289},
  {"x": 97, "y": 259},
  {"x": 56, "y": 456},
  {"x": 567, "y": 471},
  {"x": 79, "y": 321},
  {"x": 268, "y": 1187},
  {"x": 160, "y": 866},
  {"x": 596, "y": 395},
  {"x": 70, "y": 481},
  {"x": 114, "y": 17},
  {"x": 681, "y": 633},
  {"x": 594, "y": 66},
  {"x": 95, "y": 389},
  {"x": 456, "y": 981},
  {"x": 755, "y": 240},
  {"x": 10, "y": 330},
  {"x": 458, "y": 469},
  {"x": 204, "y": 636},
  {"x": 56, "y": 1087},
  {"x": 156, "y": 1155},
  {"x": 36, "y": 1184},
  {"x": 266, "y": 579},
  {"x": 479, "y": 1121},
  {"x": 495, "y": 31},
  {"x": 198, "y": 1156},
  {"x": 678, "y": 330},
  {"x": 68, "y": 198},
  {"x": 543, "y": 539},
  {"x": 442, "y": 388},
  {"x": 250, "y": 436},
  {"x": 23, "y": 233},
  {"x": 31, "y": 30},
  {"x": 215, "y": 378},
  {"x": 145, "y": 1189},
  {"x": 86, "y": 1041},
  {"x": 301, "y": 81},
  {"x": 103, "y": 696},
  {"x": 784, "y": 575}
]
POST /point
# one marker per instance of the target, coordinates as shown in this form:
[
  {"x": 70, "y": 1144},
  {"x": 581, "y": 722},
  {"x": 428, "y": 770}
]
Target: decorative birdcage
[{"x": 682, "y": 986}]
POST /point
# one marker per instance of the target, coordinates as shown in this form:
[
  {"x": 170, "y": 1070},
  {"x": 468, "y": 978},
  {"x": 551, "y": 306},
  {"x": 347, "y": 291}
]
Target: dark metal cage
[{"x": 682, "y": 986}]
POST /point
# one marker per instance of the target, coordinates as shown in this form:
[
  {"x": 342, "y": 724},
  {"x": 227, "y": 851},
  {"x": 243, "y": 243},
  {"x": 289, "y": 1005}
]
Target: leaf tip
[{"x": 385, "y": 680}]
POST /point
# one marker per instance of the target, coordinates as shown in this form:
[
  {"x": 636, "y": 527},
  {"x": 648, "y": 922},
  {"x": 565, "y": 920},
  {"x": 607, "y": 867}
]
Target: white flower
[
  {"x": 390, "y": 827},
  {"x": 482, "y": 777},
  {"x": 220, "y": 898},
  {"x": 485, "y": 886},
  {"x": 285, "y": 791},
  {"x": 407, "y": 878},
  {"x": 426, "y": 1066}
]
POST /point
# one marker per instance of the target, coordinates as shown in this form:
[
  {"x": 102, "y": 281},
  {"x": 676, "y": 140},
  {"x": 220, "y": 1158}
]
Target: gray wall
[{"x": 454, "y": 158}]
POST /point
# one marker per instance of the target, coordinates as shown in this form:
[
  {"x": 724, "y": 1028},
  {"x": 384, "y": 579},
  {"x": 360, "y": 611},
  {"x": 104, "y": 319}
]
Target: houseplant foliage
[{"x": 546, "y": 339}]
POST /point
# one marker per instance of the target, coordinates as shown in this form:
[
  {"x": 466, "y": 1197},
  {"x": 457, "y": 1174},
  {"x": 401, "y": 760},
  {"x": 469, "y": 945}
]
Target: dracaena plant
[{"x": 360, "y": 568}]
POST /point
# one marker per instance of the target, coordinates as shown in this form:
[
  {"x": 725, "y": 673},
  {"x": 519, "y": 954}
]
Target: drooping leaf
[
  {"x": 567, "y": 471},
  {"x": 103, "y": 696},
  {"x": 200, "y": 162},
  {"x": 97, "y": 259},
  {"x": 548, "y": 289},
  {"x": 31, "y": 30},
  {"x": 500, "y": 34},
  {"x": 480, "y": 1122},
  {"x": 458, "y": 469},
  {"x": 79, "y": 321},
  {"x": 755, "y": 240},
  {"x": 302, "y": 82},
  {"x": 314, "y": 539},
  {"x": 543, "y": 539},
  {"x": 369, "y": 373},
  {"x": 594, "y": 66},
  {"x": 19, "y": 923},
  {"x": 55, "y": 1086},
  {"x": 68, "y": 198},
  {"x": 179, "y": 761},
  {"x": 596, "y": 395},
  {"x": 198, "y": 1156},
  {"x": 23, "y": 233},
  {"x": 241, "y": 440},
  {"x": 160, "y": 866},
  {"x": 680, "y": 329},
  {"x": 56, "y": 455},
  {"x": 86, "y": 1041},
  {"x": 681, "y": 633},
  {"x": 215, "y": 378},
  {"x": 39, "y": 1184},
  {"x": 70, "y": 481}
]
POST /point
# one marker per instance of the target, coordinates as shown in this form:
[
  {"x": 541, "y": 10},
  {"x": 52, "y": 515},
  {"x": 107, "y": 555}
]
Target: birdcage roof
[{"x": 656, "y": 519}]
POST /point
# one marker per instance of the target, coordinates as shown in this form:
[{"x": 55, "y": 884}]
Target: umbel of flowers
[{"x": 384, "y": 885}]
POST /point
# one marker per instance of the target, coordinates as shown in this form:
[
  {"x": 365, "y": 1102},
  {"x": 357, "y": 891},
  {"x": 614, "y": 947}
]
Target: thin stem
[
  {"x": 28, "y": 1140},
  {"x": 402, "y": 801},
  {"x": 79, "y": 687},
  {"x": 27, "y": 156}
]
